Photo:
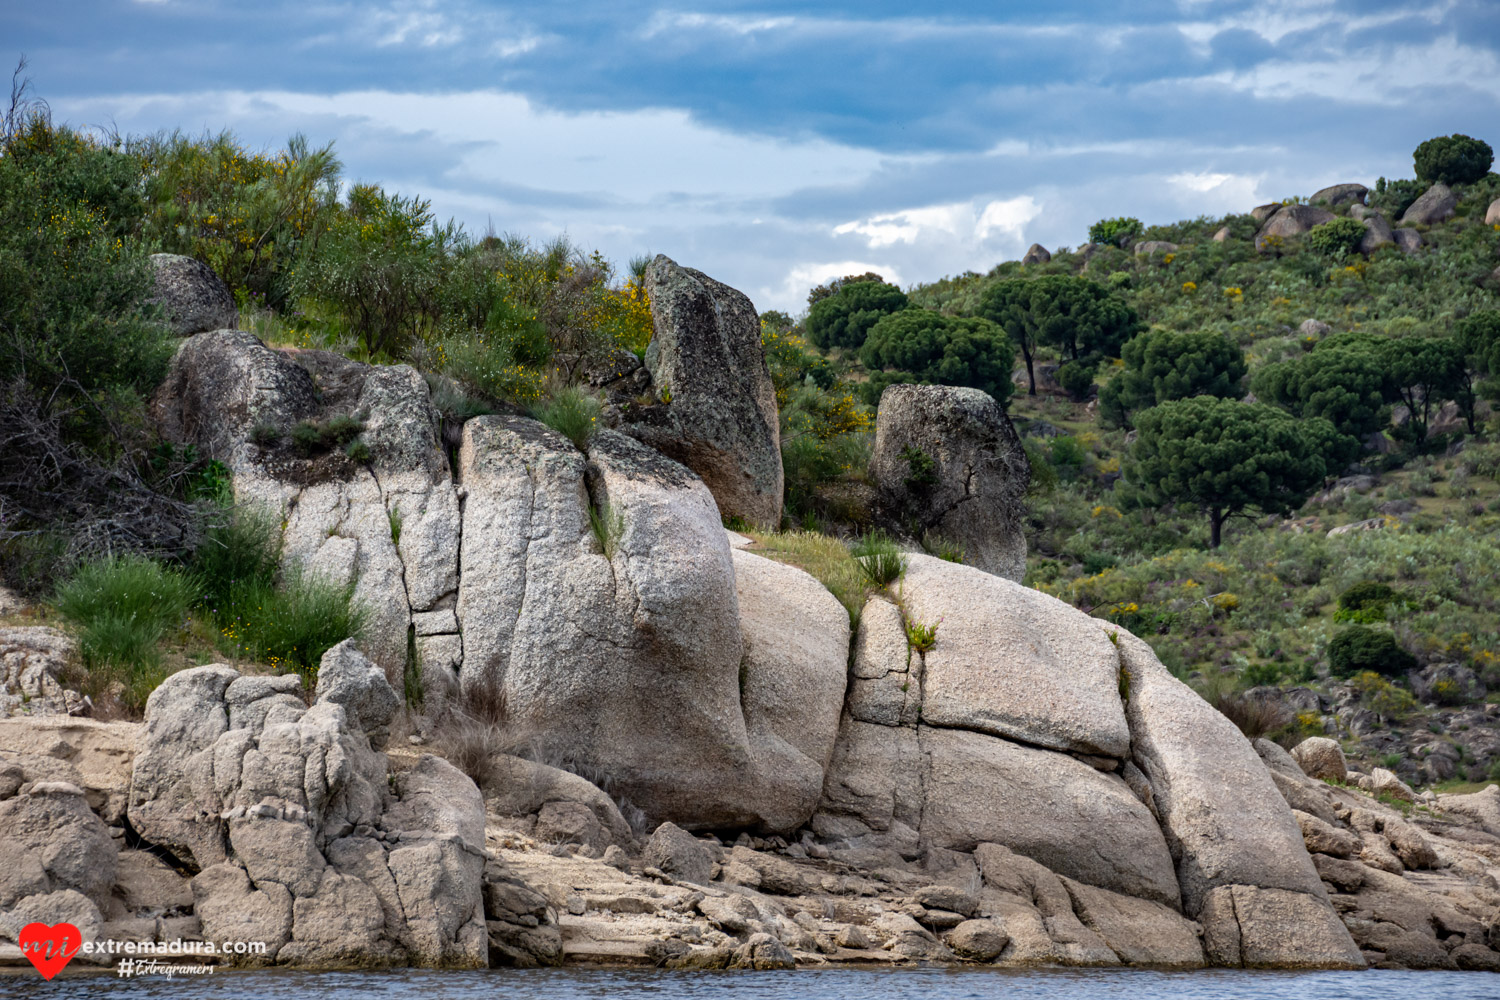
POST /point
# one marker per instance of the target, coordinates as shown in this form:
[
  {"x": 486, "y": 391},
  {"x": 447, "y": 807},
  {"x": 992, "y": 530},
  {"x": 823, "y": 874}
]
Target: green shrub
[
  {"x": 921, "y": 469},
  {"x": 573, "y": 413},
  {"x": 1110, "y": 230},
  {"x": 1337, "y": 239},
  {"x": 239, "y": 547},
  {"x": 922, "y": 637},
  {"x": 879, "y": 559},
  {"x": 1367, "y": 594},
  {"x": 123, "y": 607},
  {"x": 1453, "y": 159},
  {"x": 1359, "y": 648},
  {"x": 289, "y": 626},
  {"x": 488, "y": 365},
  {"x": 1395, "y": 197},
  {"x": 1076, "y": 379}
]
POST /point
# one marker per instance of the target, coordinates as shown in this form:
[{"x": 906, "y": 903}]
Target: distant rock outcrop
[
  {"x": 1339, "y": 194},
  {"x": 1036, "y": 254},
  {"x": 1435, "y": 204},
  {"x": 949, "y": 458},
  {"x": 1292, "y": 220},
  {"x": 193, "y": 297}
]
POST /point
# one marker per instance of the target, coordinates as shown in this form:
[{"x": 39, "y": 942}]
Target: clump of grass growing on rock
[
  {"x": 124, "y": 606},
  {"x": 608, "y": 525},
  {"x": 571, "y": 412},
  {"x": 290, "y": 625},
  {"x": 879, "y": 559},
  {"x": 826, "y": 558},
  {"x": 476, "y": 731}
]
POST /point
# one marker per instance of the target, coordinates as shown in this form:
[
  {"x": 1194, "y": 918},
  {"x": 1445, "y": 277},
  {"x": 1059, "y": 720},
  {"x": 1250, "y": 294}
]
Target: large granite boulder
[
  {"x": 632, "y": 657},
  {"x": 1378, "y": 233},
  {"x": 303, "y": 836},
  {"x": 1434, "y": 205},
  {"x": 1241, "y": 862},
  {"x": 1321, "y": 757},
  {"x": 1492, "y": 214},
  {"x": 1037, "y": 254},
  {"x": 1292, "y": 220},
  {"x": 949, "y": 458},
  {"x": 720, "y": 417},
  {"x": 193, "y": 297},
  {"x": 1340, "y": 194}
]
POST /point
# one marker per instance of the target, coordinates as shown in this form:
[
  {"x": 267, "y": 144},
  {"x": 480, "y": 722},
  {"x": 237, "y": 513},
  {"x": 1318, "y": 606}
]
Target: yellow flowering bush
[{"x": 1189, "y": 286}]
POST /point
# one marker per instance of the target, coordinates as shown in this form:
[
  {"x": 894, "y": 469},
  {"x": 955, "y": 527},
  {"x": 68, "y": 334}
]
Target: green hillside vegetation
[{"x": 1164, "y": 498}]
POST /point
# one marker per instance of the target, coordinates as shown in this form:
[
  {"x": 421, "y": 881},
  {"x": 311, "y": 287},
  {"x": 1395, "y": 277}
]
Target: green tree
[
  {"x": 844, "y": 318},
  {"x": 1110, "y": 230},
  {"x": 821, "y": 292},
  {"x": 1478, "y": 334},
  {"x": 1342, "y": 381},
  {"x": 1422, "y": 371},
  {"x": 1227, "y": 458},
  {"x": 1171, "y": 364},
  {"x": 1075, "y": 315},
  {"x": 948, "y": 350},
  {"x": 1358, "y": 648},
  {"x": 1453, "y": 159}
]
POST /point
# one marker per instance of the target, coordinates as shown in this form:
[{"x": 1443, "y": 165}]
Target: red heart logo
[{"x": 49, "y": 948}]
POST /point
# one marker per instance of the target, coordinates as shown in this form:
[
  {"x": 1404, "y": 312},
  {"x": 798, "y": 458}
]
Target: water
[{"x": 829, "y": 984}]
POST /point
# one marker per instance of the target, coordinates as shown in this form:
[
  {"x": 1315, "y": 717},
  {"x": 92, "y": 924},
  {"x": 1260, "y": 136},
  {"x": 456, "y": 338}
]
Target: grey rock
[
  {"x": 980, "y": 940},
  {"x": 1246, "y": 926},
  {"x": 1378, "y": 233},
  {"x": 762, "y": 952},
  {"x": 1320, "y": 757},
  {"x": 1148, "y": 248},
  {"x": 192, "y": 296},
  {"x": 1492, "y": 214},
  {"x": 523, "y": 788},
  {"x": 1224, "y": 818},
  {"x": 232, "y": 908},
  {"x": 1340, "y": 194},
  {"x": 1434, "y": 205},
  {"x": 346, "y": 677},
  {"x": 1036, "y": 254},
  {"x": 1292, "y": 220},
  {"x": 33, "y": 659},
  {"x": 63, "y": 906},
  {"x": 1313, "y": 328},
  {"x": 1324, "y": 838},
  {"x": 1139, "y": 931},
  {"x": 1384, "y": 782},
  {"x": 144, "y": 882},
  {"x": 721, "y": 420},
  {"x": 1014, "y": 662},
  {"x": 679, "y": 854},
  {"x": 1447, "y": 683},
  {"x": 1221, "y": 234},
  {"x": 1408, "y": 240},
  {"x": 95, "y": 756},
  {"x": 50, "y": 841},
  {"x": 981, "y": 472}
]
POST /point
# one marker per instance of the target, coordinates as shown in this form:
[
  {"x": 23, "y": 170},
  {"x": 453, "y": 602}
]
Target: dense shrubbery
[
  {"x": 1337, "y": 239},
  {"x": 1110, "y": 230},
  {"x": 844, "y": 318},
  {"x": 1358, "y": 648}
]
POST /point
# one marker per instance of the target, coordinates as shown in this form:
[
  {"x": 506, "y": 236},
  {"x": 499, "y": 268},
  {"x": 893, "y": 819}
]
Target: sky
[{"x": 775, "y": 145}]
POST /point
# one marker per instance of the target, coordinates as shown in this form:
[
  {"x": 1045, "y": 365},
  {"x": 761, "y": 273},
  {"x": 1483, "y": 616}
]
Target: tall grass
[
  {"x": 291, "y": 625},
  {"x": 124, "y": 607},
  {"x": 571, "y": 412},
  {"x": 824, "y": 557},
  {"x": 879, "y": 559}
]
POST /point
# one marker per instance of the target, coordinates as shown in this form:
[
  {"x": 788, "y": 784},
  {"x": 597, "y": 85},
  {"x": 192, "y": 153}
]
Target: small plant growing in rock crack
[
  {"x": 573, "y": 413},
  {"x": 609, "y": 526},
  {"x": 922, "y": 637},
  {"x": 358, "y": 452},
  {"x": 879, "y": 559},
  {"x": 394, "y": 517},
  {"x": 265, "y": 434},
  {"x": 476, "y": 731}
]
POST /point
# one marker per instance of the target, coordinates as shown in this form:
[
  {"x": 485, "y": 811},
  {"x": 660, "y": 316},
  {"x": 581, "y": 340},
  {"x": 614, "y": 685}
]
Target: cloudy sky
[{"x": 778, "y": 144}]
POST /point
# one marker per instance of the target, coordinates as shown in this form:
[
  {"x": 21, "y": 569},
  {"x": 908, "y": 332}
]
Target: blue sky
[{"x": 775, "y": 145}]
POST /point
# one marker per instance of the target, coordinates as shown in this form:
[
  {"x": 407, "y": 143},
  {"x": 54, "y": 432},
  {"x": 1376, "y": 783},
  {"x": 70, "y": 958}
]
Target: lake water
[{"x": 831, "y": 984}]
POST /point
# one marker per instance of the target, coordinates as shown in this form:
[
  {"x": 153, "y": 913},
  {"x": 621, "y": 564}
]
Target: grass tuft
[{"x": 573, "y": 413}]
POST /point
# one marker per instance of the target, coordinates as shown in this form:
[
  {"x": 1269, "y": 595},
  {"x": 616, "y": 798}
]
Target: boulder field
[{"x": 716, "y": 769}]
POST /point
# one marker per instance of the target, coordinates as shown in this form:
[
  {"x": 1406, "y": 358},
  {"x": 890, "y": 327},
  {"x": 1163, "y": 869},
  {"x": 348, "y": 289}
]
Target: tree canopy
[
  {"x": 844, "y": 318},
  {"x": 1422, "y": 371},
  {"x": 1075, "y": 315},
  {"x": 1453, "y": 159},
  {"x": 1343, "y": 382},
  {"x": 947, "y": 350},
  {"x": 1168, "y": 364},
  {"x": 1227, "y": 458}
]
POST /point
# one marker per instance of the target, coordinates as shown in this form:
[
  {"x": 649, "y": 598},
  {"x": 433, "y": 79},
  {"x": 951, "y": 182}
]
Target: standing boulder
[
  {"x": 1149, "y": 248},
  {"x": 1492, "y": 217},
  {"x": 1436, "y": 204},
  {"x": 1037, "y": 254},
  {"x": 720, "y": 417},
  {"x": 1378, "y": 234},
  {"x": 949, "y": 457},
  {"x": 1340, "y": 194},
  {"x": 1221, "y": 235},
  {"x": 1314, "y": 328},
  {"x": 1407, "y": 240},
  {"x": 192, "y": 296}
]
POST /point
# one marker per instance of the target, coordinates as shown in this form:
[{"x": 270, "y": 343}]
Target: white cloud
[
  {"x": 791, "y": 294},
  {"x": 960, "y": 223},
  {"x": 1218, "y": 193}
]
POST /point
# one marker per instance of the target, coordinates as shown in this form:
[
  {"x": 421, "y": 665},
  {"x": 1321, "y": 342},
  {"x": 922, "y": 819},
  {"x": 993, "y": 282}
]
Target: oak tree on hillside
[{"x": 1228, "y": 458}]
